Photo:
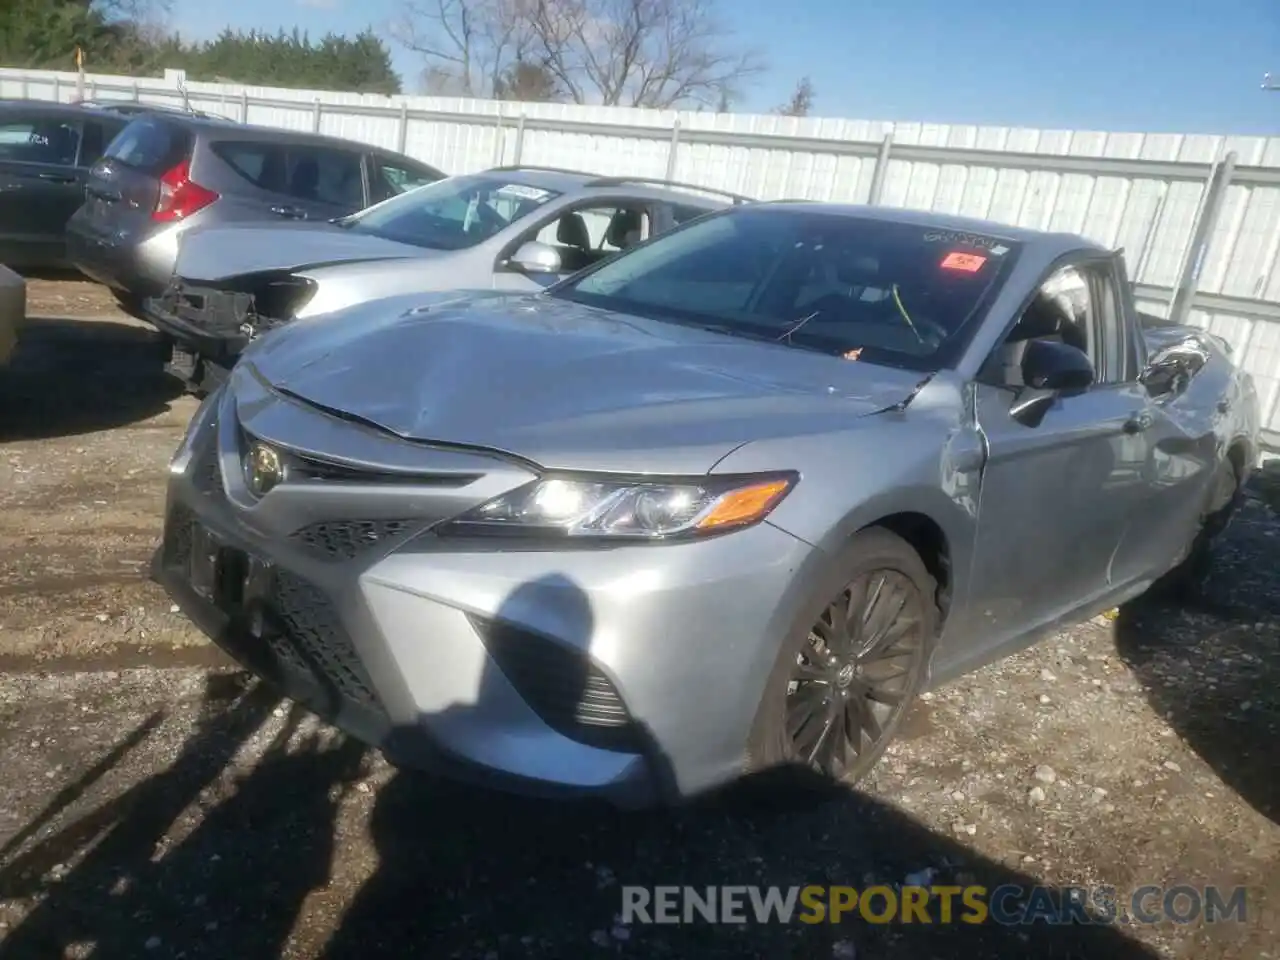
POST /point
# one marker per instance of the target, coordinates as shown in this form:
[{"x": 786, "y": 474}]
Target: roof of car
[
  {"x": 567, "y": 181},
  {"x": 1052, "y": 244},
  {"x": 51, "y": 107}
]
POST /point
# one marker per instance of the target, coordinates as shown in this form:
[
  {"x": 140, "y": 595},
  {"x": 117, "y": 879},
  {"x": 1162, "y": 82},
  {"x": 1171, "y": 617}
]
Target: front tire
[{"x": 851, "y": 665}]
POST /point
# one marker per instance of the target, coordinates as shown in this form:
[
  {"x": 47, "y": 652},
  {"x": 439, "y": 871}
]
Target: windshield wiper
[{"x": 786, "y": 334}]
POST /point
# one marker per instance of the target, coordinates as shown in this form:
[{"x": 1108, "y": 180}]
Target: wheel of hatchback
[{"x": 850, "y": 666}]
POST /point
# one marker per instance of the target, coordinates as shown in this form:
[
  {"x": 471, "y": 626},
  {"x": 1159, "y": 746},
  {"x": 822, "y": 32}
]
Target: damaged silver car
[{"x": 727, "y": 501}]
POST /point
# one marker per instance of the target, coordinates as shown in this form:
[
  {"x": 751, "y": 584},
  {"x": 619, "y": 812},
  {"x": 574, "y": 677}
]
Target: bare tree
[
  {"x": 642, "y": 53},
  {"x": 528, "y": 83},
  {"x": 801, "y": 101},
  {"x": 468, "y": 45}
]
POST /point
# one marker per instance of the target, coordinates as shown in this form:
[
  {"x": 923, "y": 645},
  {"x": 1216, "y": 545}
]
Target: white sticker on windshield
[{"x": 523, "y": 192}]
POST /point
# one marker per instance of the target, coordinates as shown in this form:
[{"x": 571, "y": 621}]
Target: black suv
[
  {"x": 46, "y": 150},
  {"x": 167, "y": 173}
]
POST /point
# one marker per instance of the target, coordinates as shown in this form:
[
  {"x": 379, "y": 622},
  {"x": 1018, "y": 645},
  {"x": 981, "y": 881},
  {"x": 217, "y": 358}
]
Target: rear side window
[
  {"x": 305, "y": 172},
  {"x": 151, "y": 145},
  {"x": 393, "y": 177},
  {"x": 683, "y": 214},
  {"x": 39, "y": 140}
]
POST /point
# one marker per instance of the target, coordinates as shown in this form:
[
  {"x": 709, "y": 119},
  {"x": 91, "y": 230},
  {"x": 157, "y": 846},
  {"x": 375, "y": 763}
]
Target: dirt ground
[{"x": 157, "y": 802}]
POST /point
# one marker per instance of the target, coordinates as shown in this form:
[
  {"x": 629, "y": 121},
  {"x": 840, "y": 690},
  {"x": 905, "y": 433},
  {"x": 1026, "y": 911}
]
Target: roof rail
[
  {"x": 513, "y": 167},
  {"x": 619, "y": 181}
]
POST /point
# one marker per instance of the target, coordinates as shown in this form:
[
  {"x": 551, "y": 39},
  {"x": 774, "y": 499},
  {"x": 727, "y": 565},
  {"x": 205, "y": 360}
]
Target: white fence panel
[{"x": 1143, "y": 192}]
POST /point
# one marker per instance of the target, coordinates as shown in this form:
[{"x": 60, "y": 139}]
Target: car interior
[
  {"x": 1050, "y": 316},
  {"x": 624, "y": 227}
]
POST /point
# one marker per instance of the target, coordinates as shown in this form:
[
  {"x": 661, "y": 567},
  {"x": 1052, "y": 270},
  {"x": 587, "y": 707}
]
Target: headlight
[{"x": 633, "y": 509}]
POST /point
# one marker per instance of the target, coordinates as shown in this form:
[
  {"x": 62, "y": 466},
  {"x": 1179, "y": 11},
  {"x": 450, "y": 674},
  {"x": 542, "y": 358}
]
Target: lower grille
[
  {"x": 304, "y": 634},
  {"x": 563, "y": 687},
  {"x": 311, "y": 639}
]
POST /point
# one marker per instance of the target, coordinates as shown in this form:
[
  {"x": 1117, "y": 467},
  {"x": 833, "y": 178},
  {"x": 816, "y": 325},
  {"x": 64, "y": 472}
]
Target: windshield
[
  {"x": 450, "y": 214},
  {"x": 893, "y": 293}
]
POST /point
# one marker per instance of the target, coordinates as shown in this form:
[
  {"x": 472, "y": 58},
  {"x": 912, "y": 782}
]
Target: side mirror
[
  {"x": 1048, "y": 365},
  {"x": 1048, "y": 369},
  {"x": 535, "y": 257}
]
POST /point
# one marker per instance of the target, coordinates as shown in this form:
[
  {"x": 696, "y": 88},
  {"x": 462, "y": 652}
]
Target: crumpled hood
[
  {"x": 566, "y": 386},
  {"x": 217, "y": 252}
]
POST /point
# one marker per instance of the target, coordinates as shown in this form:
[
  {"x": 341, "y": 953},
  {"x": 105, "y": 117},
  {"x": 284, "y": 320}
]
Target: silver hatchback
[{"x": 507, "y": 229}]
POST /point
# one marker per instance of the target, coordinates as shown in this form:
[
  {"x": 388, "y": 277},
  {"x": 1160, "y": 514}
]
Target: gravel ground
[{"x": 158, "y": 802}]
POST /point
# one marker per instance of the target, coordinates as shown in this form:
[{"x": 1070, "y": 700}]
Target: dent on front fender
[{"x": 886, "y": 465}]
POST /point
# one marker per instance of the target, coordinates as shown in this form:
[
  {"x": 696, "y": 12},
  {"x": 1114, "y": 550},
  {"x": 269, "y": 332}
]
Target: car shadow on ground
[
  {"x": 69, "y": 376},
  {"x": 1211, "y": 662},
  {"x": 457, "y": 871}
]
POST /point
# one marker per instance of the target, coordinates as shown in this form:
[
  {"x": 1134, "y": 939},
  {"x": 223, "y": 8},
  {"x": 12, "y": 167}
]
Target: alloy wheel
[{"x": 856, "y": 672}]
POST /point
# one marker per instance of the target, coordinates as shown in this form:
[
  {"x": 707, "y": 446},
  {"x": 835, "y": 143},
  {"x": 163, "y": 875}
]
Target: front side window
[
  {"x": 451, "y": 214},
  {"x": 894, "y": 293},
  {"x": 39, "y": 141}
]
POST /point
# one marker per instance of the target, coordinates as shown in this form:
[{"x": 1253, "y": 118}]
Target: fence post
[
  {"x": 403, "y": 136},
  {"x": 315, "y": 116},
  {"x": 882, "y": 167},
  {"x": 497, "y": 139},
  {"x": 519, "y": 141},
  {"x": 136, "y": 97},
  {"x": 244, "y": 106},
  {"x": 1144, "y": 254},
  {"x": 673, "y": 149},
  {"x": 1215, "y": 191},
  {"x": 57, "y": 88}
]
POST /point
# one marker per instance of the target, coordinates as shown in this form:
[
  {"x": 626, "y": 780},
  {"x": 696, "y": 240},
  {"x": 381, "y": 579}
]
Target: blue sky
[{"x": 1190, "y": 66}]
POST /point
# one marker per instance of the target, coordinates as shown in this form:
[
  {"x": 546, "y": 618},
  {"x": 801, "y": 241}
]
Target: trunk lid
[{"x": 124, "y": 185}]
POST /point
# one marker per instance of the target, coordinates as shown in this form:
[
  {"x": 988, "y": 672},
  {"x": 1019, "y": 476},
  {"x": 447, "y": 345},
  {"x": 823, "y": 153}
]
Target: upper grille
[
  {"x": 348, "y": 539},
  {"x": 563, "y": 686}
]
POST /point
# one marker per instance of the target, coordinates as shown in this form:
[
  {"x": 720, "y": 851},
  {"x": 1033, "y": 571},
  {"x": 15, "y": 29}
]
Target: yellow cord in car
[{"x": 897, "y": 301}]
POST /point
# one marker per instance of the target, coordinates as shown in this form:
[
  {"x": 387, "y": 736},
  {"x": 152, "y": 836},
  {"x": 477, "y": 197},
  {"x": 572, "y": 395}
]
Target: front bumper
[{"x": 630, "y": 673}]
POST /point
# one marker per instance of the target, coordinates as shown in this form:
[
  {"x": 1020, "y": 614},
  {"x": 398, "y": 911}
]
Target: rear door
[
  {"x": 41, "y": 185},
  {"x": 124, "y": 185}
]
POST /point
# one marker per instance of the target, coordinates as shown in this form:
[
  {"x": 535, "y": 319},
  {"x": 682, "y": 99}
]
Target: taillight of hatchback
[{"x": 180, "y": 196}]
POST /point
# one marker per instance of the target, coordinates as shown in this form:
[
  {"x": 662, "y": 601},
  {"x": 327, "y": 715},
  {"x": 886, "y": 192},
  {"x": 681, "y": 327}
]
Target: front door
[
  {"x": 1058, "y": 496},
  {"x": 582, "y": 235},
  {"x": 40, "y": 187}
]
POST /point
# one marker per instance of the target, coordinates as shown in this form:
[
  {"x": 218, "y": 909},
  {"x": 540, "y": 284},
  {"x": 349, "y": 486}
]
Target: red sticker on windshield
[{"x": 966, "y": 262}]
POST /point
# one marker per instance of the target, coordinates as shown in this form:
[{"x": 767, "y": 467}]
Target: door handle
[
  {"x": 1138, "y": 422},
  {"x": 56, "y": 177},
  {"x": 293, "y": 213}
]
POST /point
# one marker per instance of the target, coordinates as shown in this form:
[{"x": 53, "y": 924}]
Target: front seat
[
  {"x": 625, "y": 229},
  {"x": 1044, "y": 319},
  {"x": 572, "y": 233}
]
